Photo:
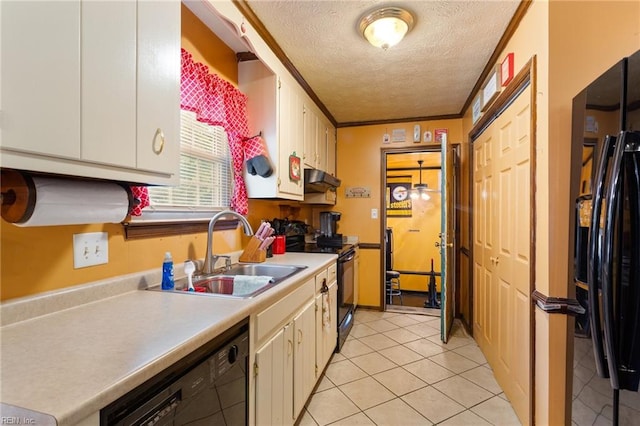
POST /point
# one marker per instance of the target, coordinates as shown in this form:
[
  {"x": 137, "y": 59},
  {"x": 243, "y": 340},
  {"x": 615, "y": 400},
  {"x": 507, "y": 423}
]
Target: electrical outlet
[{"x": 90, "y": 249}]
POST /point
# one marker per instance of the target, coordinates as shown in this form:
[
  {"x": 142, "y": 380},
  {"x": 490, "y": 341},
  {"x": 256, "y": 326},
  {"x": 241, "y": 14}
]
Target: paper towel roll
[{"x": 46, "y": 201}]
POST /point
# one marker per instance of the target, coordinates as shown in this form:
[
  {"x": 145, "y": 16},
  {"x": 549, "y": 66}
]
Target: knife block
[{"x": 252, "y": 253}]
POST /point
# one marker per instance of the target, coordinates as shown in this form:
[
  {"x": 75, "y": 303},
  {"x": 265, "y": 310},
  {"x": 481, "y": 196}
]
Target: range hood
[{"x": 319, "y": 181}]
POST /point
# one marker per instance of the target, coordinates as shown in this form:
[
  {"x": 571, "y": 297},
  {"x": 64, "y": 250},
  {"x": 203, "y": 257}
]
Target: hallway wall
[
  {"x": 570, "y": 52},
  {"x": 359, "y": 164}
]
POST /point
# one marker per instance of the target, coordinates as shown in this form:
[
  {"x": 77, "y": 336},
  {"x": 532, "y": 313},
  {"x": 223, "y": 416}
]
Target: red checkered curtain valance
[{"x": 218, "y": 103}]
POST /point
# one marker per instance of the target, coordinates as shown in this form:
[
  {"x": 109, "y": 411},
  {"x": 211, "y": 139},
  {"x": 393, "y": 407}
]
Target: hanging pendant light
[{"x": 420, "y": 190}]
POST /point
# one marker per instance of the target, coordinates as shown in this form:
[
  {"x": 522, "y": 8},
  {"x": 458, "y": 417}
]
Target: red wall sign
[{"x": 506, "y": 70}]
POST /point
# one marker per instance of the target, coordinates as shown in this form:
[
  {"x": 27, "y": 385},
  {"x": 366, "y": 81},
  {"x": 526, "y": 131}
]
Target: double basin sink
[{"x": 243, "y": 280}]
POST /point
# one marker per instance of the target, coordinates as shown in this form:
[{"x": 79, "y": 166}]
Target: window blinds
[{"x": 205, "y": 169}]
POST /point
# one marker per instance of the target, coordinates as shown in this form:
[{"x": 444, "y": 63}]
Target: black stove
[
  {"x": 314, "y": 248},
  {"x": 345, "y": 276},
  {"x": 299, "y": 246}
]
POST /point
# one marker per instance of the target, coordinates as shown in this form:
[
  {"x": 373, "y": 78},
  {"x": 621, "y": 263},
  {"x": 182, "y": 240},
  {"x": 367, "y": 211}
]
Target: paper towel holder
[{"x": 19, "y": 195}]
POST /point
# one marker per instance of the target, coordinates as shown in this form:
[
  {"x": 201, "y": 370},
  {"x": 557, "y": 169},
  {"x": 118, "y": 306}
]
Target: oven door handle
[{"x": 348, "y": 258}]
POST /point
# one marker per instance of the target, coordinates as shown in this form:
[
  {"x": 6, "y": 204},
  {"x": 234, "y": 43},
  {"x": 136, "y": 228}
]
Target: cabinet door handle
[
  {"x": 289, "y": 347},
  {"x": 158, "y": 141},
  {"x": 299, "y": 336}
]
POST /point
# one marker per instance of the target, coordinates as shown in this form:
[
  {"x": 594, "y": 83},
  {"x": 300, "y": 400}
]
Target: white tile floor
[{"x": 394, "y": 370}]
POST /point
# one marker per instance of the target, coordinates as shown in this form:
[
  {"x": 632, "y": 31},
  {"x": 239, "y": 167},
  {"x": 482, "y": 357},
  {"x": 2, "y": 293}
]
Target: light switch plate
[
  {"x": 374, "y": 213},
  {"x": 89, "y": 249}
]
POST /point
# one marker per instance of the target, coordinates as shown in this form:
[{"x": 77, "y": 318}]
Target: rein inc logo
[{"x": 17, "y": 420}]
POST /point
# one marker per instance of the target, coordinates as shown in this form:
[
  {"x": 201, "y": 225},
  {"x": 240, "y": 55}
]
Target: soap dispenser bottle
[{"x": 167, "y": 272}]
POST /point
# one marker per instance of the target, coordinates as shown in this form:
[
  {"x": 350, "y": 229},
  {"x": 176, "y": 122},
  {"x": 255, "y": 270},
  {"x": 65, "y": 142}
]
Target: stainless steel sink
[
  {"x": 278, "y": 272},
  {"x": 225, "y": 283}
]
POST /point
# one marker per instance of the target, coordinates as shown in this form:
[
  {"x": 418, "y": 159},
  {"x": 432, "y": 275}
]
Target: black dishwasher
[{"x": 207, "y": 387}]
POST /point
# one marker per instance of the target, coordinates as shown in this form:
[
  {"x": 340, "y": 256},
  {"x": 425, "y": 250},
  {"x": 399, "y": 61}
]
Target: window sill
[{"x": 164, "y": 224}]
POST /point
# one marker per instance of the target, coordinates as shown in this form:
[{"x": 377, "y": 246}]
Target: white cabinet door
[
  {"x": 310, "y": 136},
  {"x": 331, "y": 335},
  {"x": 304, "y": 359},
  {"x": 356, "y": 279},
  {"x": 291, "y": 133},
  {"x": 158, "y": 96},
  {"x": 321, "y": 143},
  {"x": 326, "y": 326},
  {"x": 331, "y": 150},
  {"x": 274, "y": 380},
  {"x": 40, "y": 77},
  {"x": 109, "y": 82}
]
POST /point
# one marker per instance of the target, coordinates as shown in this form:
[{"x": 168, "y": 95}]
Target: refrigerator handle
[
  {"x": 613, "y": 206},
  {"x": 630, "y": 356},
  {"x": 594, "y": 257}
]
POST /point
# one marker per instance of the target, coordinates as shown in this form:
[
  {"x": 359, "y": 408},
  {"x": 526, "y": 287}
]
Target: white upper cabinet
[
  {"x": 40, "y": 78},
  {"x": 274, "y": 108},
  {"x": 108, "y": 58},
  {"x": 331, "y": 149},
  {"x": 158, "y": 108},
  {"x": 319, "y": 140},
  {"x": 92, "y": 89},
  {"x": 315, "y": 138}
]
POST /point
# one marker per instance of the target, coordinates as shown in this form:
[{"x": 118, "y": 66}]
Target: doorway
[{"x": 411, "y": 221}]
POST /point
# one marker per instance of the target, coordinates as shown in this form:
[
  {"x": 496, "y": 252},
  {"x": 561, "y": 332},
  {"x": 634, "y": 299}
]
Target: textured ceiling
[{"x": 430, "y": 73}]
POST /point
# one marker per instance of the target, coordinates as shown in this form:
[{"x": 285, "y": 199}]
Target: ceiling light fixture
[
  {"x": 385, "y": 27},
  {"x": 420, "y": 190}
]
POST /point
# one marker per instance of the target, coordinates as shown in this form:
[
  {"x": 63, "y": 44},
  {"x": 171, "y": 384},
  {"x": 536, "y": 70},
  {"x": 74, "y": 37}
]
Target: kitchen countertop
[{"x": 72, "y": 362}]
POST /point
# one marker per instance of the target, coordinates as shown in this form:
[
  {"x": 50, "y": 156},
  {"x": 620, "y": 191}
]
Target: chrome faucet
[{"x": 209, "y": 258}]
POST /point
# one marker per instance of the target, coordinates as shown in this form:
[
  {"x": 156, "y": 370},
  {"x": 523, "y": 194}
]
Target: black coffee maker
[{"x": 328, "y": 236}]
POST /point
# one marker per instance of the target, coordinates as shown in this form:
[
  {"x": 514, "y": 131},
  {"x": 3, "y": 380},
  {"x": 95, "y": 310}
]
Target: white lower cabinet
[
  {"x": 304, "y": 358},
  {"x": 295, "y": 343},
  {"x": 274, "y": 380},
  {"x": 326, "y": 325},
  {"x": 285, "y": 364}
]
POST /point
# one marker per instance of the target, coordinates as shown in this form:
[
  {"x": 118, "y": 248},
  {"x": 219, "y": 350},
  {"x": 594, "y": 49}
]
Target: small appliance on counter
[
  {"x": 328, "y": 225},
  {"x": 293, "y": 230}
]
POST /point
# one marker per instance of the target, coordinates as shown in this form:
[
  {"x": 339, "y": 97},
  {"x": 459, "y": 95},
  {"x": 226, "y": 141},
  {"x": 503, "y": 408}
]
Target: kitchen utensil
[{"x": 189, "y": 269}]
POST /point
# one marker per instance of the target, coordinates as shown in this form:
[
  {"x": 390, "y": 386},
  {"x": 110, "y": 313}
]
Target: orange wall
[
  {"x": 359, "y": 164},
  {"x": 38, "y": 259}
]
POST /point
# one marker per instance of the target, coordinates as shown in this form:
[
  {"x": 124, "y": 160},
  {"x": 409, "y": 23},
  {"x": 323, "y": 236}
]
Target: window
[
  {"x": 206, "y": 185},
  {"x": 205, "y": 170}
]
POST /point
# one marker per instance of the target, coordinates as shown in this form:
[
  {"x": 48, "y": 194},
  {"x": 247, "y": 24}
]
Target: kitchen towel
[
  {"x": 247, "y": 284},
  {"x": 326, "y": 310},
  {"x": 44, "y": 201}
]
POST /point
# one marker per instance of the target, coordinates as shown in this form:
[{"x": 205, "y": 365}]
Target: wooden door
[
  {"x": 447, "y": 240},
  {"x": 502, "y": 241}
]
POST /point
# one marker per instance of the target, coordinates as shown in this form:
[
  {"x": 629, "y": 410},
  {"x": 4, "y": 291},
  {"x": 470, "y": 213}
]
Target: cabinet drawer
[
  {"x": 283, "y": 310},
  {"x": 332, "y": 273},
  {"x": 320, "y": 278}
]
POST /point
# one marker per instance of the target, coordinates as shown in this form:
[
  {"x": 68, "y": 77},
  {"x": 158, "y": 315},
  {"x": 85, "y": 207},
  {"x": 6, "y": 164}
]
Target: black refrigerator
[{"x": 606, "y": 120}]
